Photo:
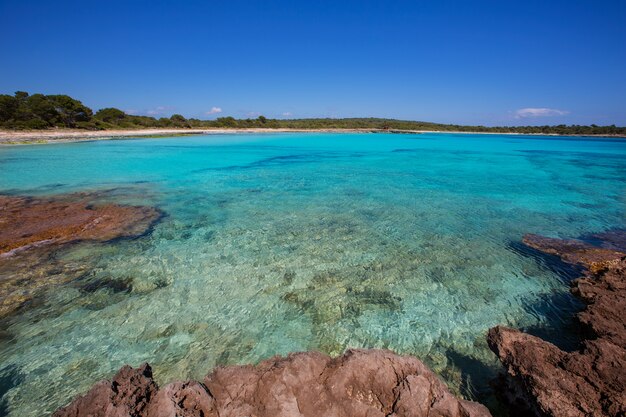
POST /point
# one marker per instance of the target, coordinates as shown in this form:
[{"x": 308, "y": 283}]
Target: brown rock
[
  {"x": 605, "y": 295},
  {"x": 182, "y": 399},
  {"x": 360, "y": 383},
  {"x": 575, "y": 251},
  {"x": 592, "y": 380},
  {"x": 126, "y": 395},
  {"x": 27, "y": 222},
  {"x": 31, "y": 229},
  {"x": 556, "y": 383}
]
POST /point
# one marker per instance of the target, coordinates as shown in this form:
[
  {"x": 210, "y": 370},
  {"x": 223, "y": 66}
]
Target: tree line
[{"x": 39, "y": 111}]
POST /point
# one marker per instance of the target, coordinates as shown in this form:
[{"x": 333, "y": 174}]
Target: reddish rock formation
[
  {"x": 594, "y": 258},
  {"x": 551, "y": 382},
  {"x": 359, "y": 383},
  {"x": 127, "y": 394},
  {"x": 32, "y": 228},
  {"x": 588, "y": 382},
  {"x": 27, "y": 222}
]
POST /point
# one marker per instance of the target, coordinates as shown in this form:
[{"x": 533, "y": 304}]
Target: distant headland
[{"x": 64, "y": 117}]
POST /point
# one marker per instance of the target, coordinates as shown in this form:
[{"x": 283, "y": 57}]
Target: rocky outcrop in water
[
  {"x": 28, "y": 222},
  {"x": 32, "y": 228},
  {"x": 359, "y": 383},
  {"x": 578, "y": 252},
  {"x": 592, "y": 380}
]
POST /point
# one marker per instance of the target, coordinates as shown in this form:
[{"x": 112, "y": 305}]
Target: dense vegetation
[{"x": 38, "y": 111}]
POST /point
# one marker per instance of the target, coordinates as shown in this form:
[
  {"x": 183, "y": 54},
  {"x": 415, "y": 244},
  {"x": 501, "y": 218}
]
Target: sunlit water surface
[{"x": 277, "y": 243}]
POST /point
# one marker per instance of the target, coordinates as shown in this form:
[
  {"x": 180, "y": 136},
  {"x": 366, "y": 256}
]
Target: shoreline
[{"x": 23, "y": 137}]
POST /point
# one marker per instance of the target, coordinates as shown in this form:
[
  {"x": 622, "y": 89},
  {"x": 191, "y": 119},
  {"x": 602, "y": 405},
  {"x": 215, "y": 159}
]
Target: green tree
[
  {"x": 179, "y": 120},
  {"x": 39, "y": 106},
  {"x": 228, "y": 121},
  {"x": 21, "y": 95},
  {"x": 70, "y": 110},
  {"x": 110, "y": 115},
  {"x": 164, "y": 122},
  {"x": 8, "y": 107}
]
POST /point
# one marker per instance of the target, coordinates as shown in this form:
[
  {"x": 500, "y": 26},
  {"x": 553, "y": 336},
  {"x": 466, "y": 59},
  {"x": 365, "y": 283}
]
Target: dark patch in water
[
  {"x": 10, "y": 377},
  {"x": 282, "y": 160},
  {"x": 55, "y": 185},
  {"x": 16, "y": 159},
  {"x": 161, "y": 283},
  {"x": 209, "y": 236},
  {"x": 603, "y": 177},
  {"x": 148, "y": 232},
  {"x": 186, "y": 235},
  {"x": 223, "y": 202},
  {"x": 475, "y": 378},
  {"x": 115, "y": 285},
  {"x": 558, "y": 310},
  {"x": 588, "y": 163},
  {"x": 611, "y": 239},
  {"x": 574, "y": 138},
  {"x": 289, "y": 277},
  {"x": 233, "y": 351},
  {"x": 583, "y": 205},
  {"x": 5, "y": 335},
  {"x": 560, "y": 326},
  {"x": 566, "y": 272},
  {"x": 583, "y": 159},
  {"x": 42, "y": 189}
]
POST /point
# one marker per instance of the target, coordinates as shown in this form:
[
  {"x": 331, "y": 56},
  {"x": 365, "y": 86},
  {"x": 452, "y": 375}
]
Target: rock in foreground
[
  {"x": 588, "y": 382},
  {"x": 549, "y": 381},
  {"x": 359, "y": 383}
]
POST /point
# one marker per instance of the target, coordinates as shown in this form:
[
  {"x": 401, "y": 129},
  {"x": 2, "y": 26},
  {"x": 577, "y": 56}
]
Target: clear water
[{"x": 276, "y": 243}]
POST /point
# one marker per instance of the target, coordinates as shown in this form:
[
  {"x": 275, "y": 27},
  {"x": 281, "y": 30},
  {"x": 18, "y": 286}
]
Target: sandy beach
[
  {"x": 12, "y": 137},
  {"x": 23, "y": 137}
]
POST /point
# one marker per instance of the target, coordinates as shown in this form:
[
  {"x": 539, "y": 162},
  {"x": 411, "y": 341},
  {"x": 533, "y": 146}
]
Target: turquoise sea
[{"x": 274, "y": 243}]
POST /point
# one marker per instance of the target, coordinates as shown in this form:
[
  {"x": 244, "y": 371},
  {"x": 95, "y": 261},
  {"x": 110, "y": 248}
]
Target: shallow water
[{"x": 276, "y": 243}]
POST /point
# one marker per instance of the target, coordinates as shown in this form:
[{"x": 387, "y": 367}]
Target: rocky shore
[
  {"x": 591, "y": 381},
  {"x": 31, "y": 229},
  {"x": 541, "y": 378},
  {"x": 358, "y": 383}
]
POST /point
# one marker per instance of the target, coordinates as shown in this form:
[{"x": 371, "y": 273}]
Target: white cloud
[
  {"x": 538, "y": 112},
  {"x": 287, "y": 114},
  {"x": 214, "y": 110},
  {"x": 253, "y": 114},
  {"x": 158, "y": 110}
]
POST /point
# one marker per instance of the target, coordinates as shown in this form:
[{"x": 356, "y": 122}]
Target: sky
[{"x": 464, "y": 62}]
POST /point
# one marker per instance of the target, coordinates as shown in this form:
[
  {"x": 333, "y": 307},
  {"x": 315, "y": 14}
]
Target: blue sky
[{"x": 467, "y": 62}]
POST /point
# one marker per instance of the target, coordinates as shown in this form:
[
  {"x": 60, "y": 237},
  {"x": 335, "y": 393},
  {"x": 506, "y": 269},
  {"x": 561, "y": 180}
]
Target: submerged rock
[
  {"x": 358, "y": 383},
  {"x": 28, "y": 222},
  {"x": 592, "y": 380},
  {"x": 31, "y": 229},
  {"x": 573, "y": 251}
]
